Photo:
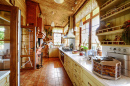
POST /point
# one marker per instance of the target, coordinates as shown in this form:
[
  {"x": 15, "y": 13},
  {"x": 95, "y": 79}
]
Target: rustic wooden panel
[
  {"x": 32, "y": 12},
  {"x": 61, "y": 11},
  {"x": 39, "y": 24},
  {"x": 22, "y": 6}
]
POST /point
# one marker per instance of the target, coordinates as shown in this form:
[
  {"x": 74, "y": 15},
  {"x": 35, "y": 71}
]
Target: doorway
[{"x": 9, "y": 42}]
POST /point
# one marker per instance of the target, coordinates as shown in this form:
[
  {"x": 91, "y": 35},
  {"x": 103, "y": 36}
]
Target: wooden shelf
[
  {"x": 111, "y": 30},
  {"x": 112, "y": 3},
  {"x": 113, "y": 43},
  {"x": 117, "y": 14}
]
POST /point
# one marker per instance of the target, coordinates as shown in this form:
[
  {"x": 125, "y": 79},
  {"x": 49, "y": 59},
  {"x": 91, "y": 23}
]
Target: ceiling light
[
  {"x": 52, "y": 24},
  {"x": 59, "y": 1},
  {"x": 75, "y": 1}
]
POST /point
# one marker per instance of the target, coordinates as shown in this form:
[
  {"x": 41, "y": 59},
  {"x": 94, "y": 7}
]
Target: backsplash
[{"x": 124, "y": 50}]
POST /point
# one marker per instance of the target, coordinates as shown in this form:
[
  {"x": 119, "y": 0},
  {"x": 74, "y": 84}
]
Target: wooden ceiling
[{"x": 58, "y": 13}]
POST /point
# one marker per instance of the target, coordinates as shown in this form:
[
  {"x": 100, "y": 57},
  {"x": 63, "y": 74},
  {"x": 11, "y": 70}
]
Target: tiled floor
[{"x": 52, "y": 74}]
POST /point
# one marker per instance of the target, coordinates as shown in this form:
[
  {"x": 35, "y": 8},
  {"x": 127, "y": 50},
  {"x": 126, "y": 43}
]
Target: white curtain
[
  {"x": 57, "y": 30},
  {"x": 91, "y": 5}
]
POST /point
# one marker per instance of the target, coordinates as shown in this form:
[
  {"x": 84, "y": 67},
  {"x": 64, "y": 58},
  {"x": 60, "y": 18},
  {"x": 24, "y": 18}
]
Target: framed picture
[{"x": 12, "y": 2}]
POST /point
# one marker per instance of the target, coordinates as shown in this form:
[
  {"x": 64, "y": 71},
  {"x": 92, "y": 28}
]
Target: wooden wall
[{"x": 22, "y": 6}]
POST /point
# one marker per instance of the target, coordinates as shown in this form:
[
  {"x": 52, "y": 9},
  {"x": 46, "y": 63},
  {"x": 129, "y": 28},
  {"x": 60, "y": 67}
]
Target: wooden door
[
  {"x": 28, "y": 47},
  {"x": 9, "y": 41}
]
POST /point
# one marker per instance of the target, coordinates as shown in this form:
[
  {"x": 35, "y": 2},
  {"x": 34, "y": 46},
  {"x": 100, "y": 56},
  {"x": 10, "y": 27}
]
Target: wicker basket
[{"x": 107, "y": 69}]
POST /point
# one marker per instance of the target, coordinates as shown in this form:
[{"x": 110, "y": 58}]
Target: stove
[{"x": 123, "y": 55}]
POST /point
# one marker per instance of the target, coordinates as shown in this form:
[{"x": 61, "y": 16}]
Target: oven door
[{"x": 62, "y": 57}]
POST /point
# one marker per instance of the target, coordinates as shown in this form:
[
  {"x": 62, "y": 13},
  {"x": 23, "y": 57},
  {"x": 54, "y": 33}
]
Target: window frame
[
  {"x": 54, "y": 38},
  {"x": 90, "y": 27}
]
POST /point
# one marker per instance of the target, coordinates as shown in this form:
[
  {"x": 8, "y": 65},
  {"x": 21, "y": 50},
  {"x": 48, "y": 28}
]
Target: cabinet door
[
  {"x": 39, "y": 24},
  {"x": 28, "y": 48},
  {"x": 9, "y": 40}
]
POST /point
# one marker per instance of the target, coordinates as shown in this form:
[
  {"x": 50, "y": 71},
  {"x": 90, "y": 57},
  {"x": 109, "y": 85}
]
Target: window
[
  {"x": 57, "y": 30},
  {"x": 57, "y": 38},
  {"x": 85, "y": 30},
  {"x": 85, "y": 34},
  {"x": 1, "y": 38},
  {"x": 95, "y": 25}
]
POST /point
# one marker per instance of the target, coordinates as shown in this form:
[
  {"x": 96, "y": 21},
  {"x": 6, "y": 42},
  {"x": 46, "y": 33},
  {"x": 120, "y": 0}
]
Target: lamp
[
  {"x": 75, "y": 1},
  {"x": 52, "y": 24},
  {"x": 81, "y": 23},
  {"x": 59, "y": 1}
]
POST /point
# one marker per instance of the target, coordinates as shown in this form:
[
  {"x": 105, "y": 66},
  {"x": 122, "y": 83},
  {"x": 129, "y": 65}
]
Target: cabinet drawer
[
  {"x": 82, "y": 84},
  {"x": 76, "y": 77},
  {"x": 98, "y": 83},
  {"x": 75, "y": 82},
  {"x": 77, "y": 69},
  {"x": 87, "y": 81}
]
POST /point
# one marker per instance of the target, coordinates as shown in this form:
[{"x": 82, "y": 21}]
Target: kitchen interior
[{"x": 64, "y": 43}]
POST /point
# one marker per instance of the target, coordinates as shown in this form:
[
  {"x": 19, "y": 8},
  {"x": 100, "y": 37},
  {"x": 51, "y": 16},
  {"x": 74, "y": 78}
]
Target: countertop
[
  {"x": 3, "y": 74},
  {"x": 87, "y": 65}
]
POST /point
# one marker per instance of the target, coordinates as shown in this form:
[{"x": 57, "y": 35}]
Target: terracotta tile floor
[{"x": 51, "y": 74}]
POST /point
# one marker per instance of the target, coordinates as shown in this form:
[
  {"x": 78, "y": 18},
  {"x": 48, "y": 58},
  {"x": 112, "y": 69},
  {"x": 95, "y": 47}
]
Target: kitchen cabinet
[
  {"x": 53, "y": 52},
  {"x": 39, "y": 24},
  {"x": 73, "y": 70},
  {"x": 4, "y": 79},
  {"x": 78, "y": 75},
  {"x": 33, "y": 12},
  {"x": 89, "y": 80},
  {"x": 113, "y": 15}
]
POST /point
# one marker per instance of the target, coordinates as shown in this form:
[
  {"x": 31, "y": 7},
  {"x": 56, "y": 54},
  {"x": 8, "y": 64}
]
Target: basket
[{"x": 107, "y": 69}]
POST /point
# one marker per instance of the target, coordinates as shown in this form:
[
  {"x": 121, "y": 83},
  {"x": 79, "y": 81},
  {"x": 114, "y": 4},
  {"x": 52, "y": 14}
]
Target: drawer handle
[{"x": 89, "y": 84}]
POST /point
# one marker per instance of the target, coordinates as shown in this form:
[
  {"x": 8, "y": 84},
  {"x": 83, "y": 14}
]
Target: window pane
[
  {"x": 95, "y": 25},
  {"x": 96, "y": 11},
  {"x": 88, "y": 16},
  {"x": 5, "y": 40},
  {"x": 85, "y": 34},
  {"x": 95, "y": 21},
  {"x": 57, "y": 39}
]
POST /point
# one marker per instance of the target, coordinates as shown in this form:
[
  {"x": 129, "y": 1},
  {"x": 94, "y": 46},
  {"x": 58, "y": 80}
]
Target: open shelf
[
  {"x": 116, "y": 45},
  {"x": 110, "y": 4},
  {"x": 113, "y": 43},
  {"x": 122, "y": 10},
  {"x": 111, "y": 30}
]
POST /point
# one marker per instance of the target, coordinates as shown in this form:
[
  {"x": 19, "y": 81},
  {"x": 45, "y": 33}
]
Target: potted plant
[
  {"x": 85, "y": 48},
  {"x": 126, "y": 33}
]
